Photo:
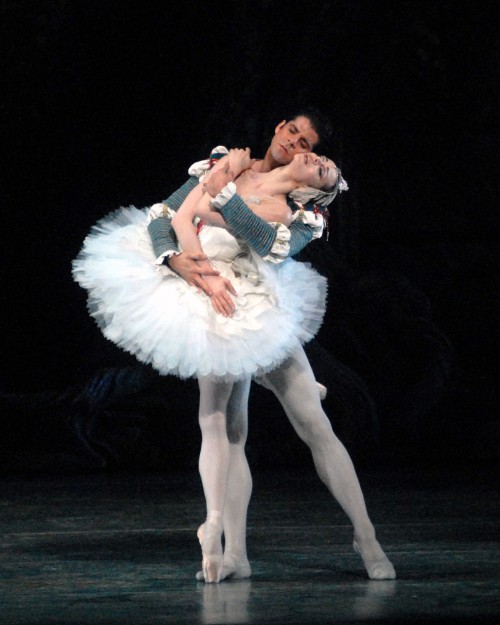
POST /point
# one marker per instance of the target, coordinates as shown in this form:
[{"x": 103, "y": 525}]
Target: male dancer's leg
[{"x": 294, "y": 385}]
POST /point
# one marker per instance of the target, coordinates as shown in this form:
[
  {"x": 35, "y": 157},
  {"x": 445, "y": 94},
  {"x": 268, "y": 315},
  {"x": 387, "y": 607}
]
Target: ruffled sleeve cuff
[
  {"x": 223, "y": 197},
  {"x": 161, "y": 260},
  {"x": 281, "y": 246}
]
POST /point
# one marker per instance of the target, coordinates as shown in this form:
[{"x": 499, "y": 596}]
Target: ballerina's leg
[
  {"x": 239, "y": 487},
  {"x": 213, "y": 467}
]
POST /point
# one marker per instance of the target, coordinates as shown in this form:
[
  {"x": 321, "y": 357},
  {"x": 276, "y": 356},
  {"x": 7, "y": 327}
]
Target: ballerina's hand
[
  {"x": 221, "y": 298},
  {"x": 217, "y": 180}
]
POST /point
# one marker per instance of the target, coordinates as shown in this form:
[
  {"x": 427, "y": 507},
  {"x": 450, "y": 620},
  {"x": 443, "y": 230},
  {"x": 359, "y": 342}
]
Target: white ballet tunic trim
[{"x": 170, "y": 325}]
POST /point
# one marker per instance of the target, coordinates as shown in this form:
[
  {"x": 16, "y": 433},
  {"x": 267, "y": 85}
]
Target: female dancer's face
[{"x": 314, "y": 171}]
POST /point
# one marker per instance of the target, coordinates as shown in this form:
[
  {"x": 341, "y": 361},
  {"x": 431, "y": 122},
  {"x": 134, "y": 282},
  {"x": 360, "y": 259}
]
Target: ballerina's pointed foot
[
  {"x": 377, "y": 564},
  {"x": 209, "y": 535},
  {"x": 232, "y": 568}
]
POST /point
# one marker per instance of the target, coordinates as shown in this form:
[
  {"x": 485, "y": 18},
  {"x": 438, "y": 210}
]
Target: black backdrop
[{"x": 105, "y": 104}]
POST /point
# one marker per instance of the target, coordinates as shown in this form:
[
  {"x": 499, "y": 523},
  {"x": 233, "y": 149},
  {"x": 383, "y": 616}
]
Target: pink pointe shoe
[
  {"x": 209, "y": 534},
  {"x": 233, "y": 568}
]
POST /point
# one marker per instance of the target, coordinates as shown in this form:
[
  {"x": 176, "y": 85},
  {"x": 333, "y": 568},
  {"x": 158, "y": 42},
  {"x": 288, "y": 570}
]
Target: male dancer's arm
[
  {"x": 274, "y": 242},
  {"x": 160, "y": 227},
  {"x": 163, "y": 238}
]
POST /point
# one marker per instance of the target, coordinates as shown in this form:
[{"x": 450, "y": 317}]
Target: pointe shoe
[
  {"x": 378, "y": 567},
  {"x": 209, "y": 535},
  {"x": 231, "y": 569}
]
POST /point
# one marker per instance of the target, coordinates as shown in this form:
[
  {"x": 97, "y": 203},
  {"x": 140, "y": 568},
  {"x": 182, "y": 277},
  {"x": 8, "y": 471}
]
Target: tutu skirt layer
[{"x": 155, "y": 315}]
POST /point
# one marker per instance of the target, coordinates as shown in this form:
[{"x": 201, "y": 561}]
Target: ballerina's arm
[{"x": 196, "y": 203}]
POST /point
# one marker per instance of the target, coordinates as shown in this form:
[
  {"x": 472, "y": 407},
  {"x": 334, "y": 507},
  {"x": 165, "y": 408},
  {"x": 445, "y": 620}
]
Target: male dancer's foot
[
  {"x": 377, "y": 564},
  {"x": 232, "y": 568}
]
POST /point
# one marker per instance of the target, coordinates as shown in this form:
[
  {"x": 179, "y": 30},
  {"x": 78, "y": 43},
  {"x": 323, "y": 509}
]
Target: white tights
[
  {"x": 226, "y": 477},
  {"x": 225, "y": 474}
]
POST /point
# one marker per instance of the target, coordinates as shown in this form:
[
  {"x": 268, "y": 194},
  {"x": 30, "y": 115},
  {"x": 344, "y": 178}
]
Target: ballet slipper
[
  {"x": 377, "y": 564},
  {"x": 232, "y": 568},
  {"x": 209, "y": 535}
]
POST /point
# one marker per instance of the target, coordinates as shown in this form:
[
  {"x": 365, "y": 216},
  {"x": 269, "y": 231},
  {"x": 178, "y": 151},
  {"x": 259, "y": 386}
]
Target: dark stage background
[{"x": 105, "y": 104}]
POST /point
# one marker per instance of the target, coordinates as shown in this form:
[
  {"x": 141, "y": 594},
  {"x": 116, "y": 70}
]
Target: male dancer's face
[{"x": 294, "y": 137}]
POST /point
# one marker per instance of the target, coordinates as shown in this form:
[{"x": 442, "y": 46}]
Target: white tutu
[{"x": 163, "y": 321}]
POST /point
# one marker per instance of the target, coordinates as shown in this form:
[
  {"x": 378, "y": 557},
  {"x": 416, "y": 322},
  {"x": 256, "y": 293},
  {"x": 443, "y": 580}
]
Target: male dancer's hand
[{"x": 192, "y": 268}]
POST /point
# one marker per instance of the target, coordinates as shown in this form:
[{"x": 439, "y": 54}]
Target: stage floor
[{"x": 122, "y": 549}]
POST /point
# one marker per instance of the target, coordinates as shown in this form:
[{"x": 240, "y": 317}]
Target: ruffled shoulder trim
[
  {"x": 200, "y": 168},
  {"x": 313, "y": 216},
  {"x": 160, "y": 210}
]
